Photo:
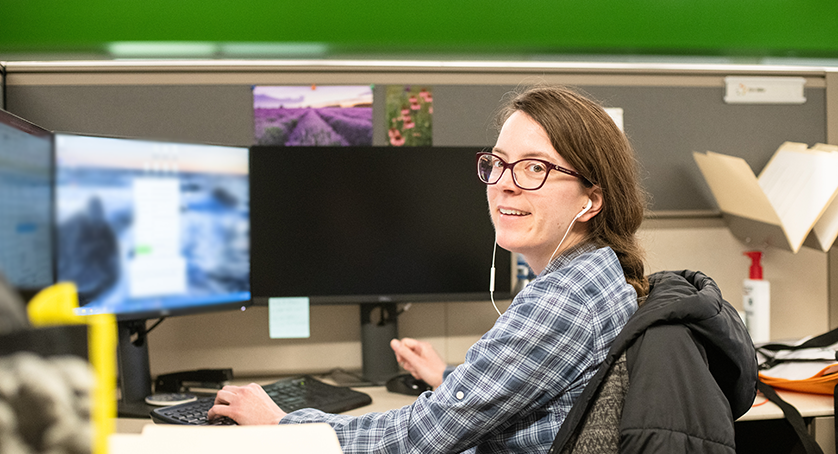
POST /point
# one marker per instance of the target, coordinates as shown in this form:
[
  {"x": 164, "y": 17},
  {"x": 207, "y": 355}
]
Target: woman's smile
[{"x": 512, "y": 212}]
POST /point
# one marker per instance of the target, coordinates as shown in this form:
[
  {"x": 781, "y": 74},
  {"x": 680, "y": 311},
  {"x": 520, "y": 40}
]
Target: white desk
[
  {"x": 809, "y": 405},
  {"x": 815, "y": 406},
  {"x": 382, "y": 400}
]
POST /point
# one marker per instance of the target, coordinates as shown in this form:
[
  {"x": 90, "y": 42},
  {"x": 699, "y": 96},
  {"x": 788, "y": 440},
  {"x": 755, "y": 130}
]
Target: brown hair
[{"x": 589, "y": 140}]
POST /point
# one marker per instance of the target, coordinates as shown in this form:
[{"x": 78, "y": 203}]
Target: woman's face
[{"x": 532, "y": 223}]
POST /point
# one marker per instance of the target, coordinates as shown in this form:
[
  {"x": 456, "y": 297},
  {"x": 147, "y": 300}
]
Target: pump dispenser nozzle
[{"x": 755, "y": 271}]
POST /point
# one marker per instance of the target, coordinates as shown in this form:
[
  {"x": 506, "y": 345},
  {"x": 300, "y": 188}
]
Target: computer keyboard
[{"x": 289, "y": 393}]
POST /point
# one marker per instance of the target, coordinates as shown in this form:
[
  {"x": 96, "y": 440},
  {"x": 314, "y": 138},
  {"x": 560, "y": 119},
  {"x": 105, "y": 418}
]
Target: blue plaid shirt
[{"x": 519, "y": 381}]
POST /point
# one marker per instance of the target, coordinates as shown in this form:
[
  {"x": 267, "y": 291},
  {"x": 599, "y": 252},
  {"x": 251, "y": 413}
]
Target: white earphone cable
[
  {"x": 584, "y": 210},
  {"x": 562, "y": 241},
  {"x": 492, "y": 277},
  {"x": 494, "y": 251}
]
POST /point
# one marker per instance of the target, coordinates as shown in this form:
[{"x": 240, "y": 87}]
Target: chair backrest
[
  {"x": 599, "y": 430},
  {"x": 677, "y": 376}
]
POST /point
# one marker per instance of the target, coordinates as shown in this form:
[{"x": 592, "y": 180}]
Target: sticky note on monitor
[{"x": 288, "y": 318}]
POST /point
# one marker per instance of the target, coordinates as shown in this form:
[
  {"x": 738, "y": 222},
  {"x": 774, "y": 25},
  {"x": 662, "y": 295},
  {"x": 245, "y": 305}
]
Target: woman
[{"x": 563, "y": 191}]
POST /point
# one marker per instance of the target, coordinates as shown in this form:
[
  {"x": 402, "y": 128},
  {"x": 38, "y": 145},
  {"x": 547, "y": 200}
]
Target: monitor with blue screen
[
  {"x": 148, "y": 229},
  {"x": 25, "y": 205}
]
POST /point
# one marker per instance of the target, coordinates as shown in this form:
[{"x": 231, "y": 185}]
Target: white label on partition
[
  {"x": 616, "y": 114},
  {"x": 764, "y": 90}
]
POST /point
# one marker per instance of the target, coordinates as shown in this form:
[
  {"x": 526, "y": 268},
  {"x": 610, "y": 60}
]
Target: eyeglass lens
[{"x": 527, "y": 174}]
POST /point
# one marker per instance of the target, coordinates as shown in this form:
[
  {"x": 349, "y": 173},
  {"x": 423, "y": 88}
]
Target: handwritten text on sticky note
[{"x": 288, "y": 318}]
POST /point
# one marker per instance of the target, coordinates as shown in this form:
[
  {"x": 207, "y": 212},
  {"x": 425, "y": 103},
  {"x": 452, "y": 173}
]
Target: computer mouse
[{"x": 407, "y": 384}]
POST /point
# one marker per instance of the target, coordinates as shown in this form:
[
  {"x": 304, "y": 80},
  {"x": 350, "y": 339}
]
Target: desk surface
[
  {"x": 809, "y": 405},
  {"x": 382, "y": 400}
]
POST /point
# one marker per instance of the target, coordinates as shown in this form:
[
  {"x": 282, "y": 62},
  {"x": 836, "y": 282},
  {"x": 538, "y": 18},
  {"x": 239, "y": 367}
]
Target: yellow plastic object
[{"x": 55, "y": 305}]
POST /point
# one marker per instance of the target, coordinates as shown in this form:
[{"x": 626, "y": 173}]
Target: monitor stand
[
  {"x": 379, "y": 325},
  {"x": 134, "y": 370}
]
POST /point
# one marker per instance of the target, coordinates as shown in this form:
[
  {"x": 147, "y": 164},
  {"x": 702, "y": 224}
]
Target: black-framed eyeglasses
[{"x": 528, "y": 174}]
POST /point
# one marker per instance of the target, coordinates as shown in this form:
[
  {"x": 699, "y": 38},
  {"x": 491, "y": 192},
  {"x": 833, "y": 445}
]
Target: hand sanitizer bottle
[{"x": 757, "y": 301}]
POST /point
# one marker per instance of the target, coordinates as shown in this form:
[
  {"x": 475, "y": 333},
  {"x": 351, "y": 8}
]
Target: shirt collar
[{"x": 567, "y": 256}]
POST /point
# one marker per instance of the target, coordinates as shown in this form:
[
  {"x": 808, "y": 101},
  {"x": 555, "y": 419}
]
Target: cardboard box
[{"x": 791, "y": 204}]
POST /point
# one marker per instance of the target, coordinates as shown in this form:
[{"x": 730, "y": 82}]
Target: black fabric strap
[
  {"x": 793, "y": 417},
  {"x": 824, "y": 340}
]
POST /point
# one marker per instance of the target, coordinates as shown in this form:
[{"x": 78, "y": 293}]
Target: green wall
[{"x": 709, "y": 27}]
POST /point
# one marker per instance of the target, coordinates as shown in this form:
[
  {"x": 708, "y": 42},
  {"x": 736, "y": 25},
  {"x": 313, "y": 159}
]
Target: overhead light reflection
[
  {"x": 178, "y": 49},
  {"x": 162, "y": 49},
  {"x": 274, "y": 49}
]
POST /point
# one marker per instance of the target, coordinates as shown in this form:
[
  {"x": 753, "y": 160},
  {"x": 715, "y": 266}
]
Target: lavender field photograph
[{"x": 313, "y": 115}]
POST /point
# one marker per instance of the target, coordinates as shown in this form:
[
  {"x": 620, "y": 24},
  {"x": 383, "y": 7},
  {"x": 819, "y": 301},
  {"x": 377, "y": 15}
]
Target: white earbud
[{"x": 584, "y": 210}]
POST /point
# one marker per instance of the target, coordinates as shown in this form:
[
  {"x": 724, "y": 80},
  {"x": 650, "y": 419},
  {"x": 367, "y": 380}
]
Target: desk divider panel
[
  {"x": 669, "y": 112},
  {"x": 666, "y": 117}
]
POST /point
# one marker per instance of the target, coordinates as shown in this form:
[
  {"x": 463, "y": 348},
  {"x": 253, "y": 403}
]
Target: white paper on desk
[
  {"x": 286, "y": 438},
  {"x": 804, "y": 369}
]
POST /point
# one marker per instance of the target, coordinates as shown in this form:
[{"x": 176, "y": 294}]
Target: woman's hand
[
  {"x": 420, "y": 359},
  {"x": 247, "y": 405}
]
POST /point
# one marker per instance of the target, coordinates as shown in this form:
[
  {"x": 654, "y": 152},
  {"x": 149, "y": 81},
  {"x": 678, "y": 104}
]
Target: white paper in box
[{"x": 792, "y": 203}]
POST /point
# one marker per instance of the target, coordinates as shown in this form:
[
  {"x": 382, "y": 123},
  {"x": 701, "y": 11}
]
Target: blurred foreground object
[
  {"x": 45, "y": 404},
  {"x": 55, "y": 305},
  {"x": 12, "y": 314}
]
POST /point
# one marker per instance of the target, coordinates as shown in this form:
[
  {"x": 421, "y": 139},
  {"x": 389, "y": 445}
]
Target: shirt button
[{"x": 460, "y": 395}]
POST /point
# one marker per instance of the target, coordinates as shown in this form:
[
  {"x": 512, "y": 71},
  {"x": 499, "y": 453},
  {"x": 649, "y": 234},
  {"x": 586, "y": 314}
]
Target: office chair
[{"x": 677, "y": 376}]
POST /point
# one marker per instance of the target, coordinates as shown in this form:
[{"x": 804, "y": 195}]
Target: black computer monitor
[
  {"x": 25, "y": 204},
  {"x": 148, "y": 229},
  {"x": 375, "y": 226}
]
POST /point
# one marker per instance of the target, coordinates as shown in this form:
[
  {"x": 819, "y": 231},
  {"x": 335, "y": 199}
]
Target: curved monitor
[
  {"x": 26, "y": 204},
  {"x": 150, "y": 228}
]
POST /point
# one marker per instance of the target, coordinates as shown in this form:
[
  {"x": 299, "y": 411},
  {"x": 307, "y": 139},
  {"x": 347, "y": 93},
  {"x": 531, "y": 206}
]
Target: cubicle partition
[
  {"x": 669, "y": 111},
  {"x": 2, "y": 85}
]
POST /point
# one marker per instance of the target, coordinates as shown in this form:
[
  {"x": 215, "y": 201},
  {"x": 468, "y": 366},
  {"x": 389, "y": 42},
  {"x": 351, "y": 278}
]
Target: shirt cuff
[{"x": 302, "y": 416}]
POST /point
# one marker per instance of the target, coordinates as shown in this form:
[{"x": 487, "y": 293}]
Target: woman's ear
[{"x": 595, "y": 197}]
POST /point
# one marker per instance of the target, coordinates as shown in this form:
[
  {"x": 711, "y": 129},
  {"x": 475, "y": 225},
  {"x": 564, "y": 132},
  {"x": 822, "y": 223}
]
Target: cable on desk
[
  {"x": 359, "y": 381},
  {"x": 761, "y": 403}
]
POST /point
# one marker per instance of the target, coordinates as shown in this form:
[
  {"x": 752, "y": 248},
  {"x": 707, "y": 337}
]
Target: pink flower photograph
[{"x": 409, "y": 116}]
